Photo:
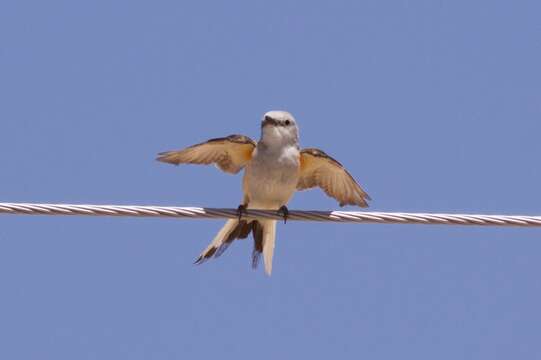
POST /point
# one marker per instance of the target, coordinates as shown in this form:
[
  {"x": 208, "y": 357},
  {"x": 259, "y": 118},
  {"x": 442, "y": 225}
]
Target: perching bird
[{"x": 275, "y": 168}]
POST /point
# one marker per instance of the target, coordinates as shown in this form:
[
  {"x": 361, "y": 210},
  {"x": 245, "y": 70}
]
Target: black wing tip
[
  {"x": 163, "y": 160},
  {"x": 362, "y": 203},
  {"x": 365, "y": 198},
  {"x": 164, "y": 157}
]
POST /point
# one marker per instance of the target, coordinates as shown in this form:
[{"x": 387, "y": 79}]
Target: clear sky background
[{"x": 434, "y": 106}]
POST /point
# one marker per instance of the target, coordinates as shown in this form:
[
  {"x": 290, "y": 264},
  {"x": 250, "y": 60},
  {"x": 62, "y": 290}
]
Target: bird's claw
[
  {"x": 241, "y": 210},
  {"x": 284, "y": 212}
]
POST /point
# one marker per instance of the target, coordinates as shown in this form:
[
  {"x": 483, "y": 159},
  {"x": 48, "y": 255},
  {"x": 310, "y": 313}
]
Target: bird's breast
[{"x": 272, "y": 177}]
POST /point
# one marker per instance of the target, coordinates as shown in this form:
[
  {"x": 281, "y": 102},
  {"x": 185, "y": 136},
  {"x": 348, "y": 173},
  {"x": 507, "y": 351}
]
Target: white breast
[{"x": 271, "y": 177}]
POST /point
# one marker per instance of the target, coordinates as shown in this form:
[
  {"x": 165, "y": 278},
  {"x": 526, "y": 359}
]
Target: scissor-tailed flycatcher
[{"x": 275, "y": 168}]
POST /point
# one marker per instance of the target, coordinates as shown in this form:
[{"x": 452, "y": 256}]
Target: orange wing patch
[
  {"x": 320, "y": 170},
  {"x": 229, "y": 154}
]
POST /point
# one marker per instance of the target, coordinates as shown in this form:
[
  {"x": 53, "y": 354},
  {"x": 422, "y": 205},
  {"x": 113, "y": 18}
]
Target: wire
[{"x": 294, "y": 215}]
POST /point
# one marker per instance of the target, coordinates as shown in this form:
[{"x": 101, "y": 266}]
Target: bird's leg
[
  {"x": 241, "y": 210},
  {"x": 284, "y": 212}
]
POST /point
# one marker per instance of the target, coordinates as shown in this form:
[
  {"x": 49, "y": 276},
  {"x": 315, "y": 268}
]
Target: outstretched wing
[
  {"x": 319, "y": 169},
  {"x": 230, "y": 154}
]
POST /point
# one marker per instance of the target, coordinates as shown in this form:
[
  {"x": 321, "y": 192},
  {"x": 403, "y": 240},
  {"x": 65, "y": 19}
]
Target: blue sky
[{"x": 433, "y": 106}]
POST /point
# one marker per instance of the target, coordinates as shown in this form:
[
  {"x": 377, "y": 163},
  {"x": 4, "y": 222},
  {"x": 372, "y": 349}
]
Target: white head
[{"x": 279, "y": 128}]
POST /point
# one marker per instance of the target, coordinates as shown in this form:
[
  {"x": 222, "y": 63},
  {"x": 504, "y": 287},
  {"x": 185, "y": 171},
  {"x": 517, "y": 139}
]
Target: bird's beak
[{"x": 268, "y": 121}]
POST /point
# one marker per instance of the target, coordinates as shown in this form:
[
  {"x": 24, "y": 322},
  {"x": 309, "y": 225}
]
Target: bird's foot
[
  {"x": 241, "y": 210},
  {"x": 284, "y": 212}
]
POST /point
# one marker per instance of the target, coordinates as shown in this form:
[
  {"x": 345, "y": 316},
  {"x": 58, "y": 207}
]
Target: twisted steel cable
[{"x": 294, "y": 215}]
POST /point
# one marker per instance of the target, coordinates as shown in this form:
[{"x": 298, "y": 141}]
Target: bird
[{"x": 275, "y": 167}]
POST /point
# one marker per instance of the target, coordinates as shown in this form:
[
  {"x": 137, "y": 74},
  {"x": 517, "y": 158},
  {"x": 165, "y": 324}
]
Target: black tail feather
[
  {"x": 229, "y": 240},
  {"x": 257, "y": 231},
  {"x": 245, "y": 229},
  {"x": 241, "y": 231}
]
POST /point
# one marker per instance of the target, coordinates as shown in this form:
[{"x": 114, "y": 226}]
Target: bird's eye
[{"x": 287, "y": 122}]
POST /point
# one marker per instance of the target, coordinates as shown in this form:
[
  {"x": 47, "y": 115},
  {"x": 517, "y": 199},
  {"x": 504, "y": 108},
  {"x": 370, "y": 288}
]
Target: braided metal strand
[{"x": 299, "y": 215}]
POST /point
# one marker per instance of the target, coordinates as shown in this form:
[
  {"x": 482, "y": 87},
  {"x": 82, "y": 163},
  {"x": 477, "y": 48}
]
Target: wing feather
[
  {"x": 229, "y": 154},
  {"x": 321, "y": 170}
]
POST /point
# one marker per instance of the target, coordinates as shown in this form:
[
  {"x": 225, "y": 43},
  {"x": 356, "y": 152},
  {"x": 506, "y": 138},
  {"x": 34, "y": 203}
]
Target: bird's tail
[
  {"x": 264, "y": 232},
  {"x": 264, "y": 238}
]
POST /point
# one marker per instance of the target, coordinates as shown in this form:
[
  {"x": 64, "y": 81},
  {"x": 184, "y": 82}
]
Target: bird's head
[{"x": 279, "y": 128}]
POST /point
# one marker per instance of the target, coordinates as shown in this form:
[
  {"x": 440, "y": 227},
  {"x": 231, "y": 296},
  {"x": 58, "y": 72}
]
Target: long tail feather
[
  {"x": 257, "y": 230},
  {"x": 221, "y": 241},
  {"x": 264, "y": 232},
  {"x": 269, "y": 236}
]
